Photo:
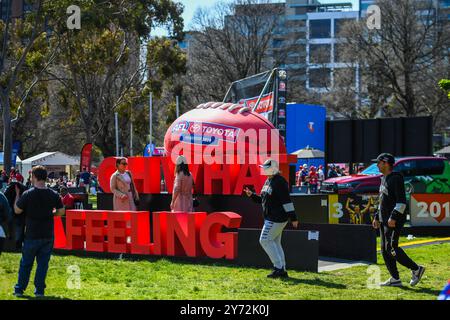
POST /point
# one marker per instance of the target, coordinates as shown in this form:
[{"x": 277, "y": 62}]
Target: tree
[
  {"x": 444, "y": 84},
  {"x": 231, "y": 41},
  {"x": 402, "y": 61},
  {"x": 99, "y": 66},
  {"x": 23, "y": 58}
]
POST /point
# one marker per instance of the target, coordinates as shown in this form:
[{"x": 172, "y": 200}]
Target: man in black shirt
[
  {"x": 390, "y": 218},
  {"x": 37, "y": 204},
  {"x": 277, "y": 209}
]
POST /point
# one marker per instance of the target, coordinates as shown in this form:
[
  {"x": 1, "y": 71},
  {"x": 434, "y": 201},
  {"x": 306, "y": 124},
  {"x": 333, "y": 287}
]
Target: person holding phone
[{"x": 278, "y": 209}]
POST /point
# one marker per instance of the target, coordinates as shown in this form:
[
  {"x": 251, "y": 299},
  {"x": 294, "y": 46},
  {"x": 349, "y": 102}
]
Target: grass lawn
[
  {"x": 160, "y": 278},
  {"x": 93, "y": 200}
]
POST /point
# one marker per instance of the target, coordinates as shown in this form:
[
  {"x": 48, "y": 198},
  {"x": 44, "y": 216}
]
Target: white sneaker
[
  {"x": 391, "y": 282},
  {"x": 416, "y": 276}
]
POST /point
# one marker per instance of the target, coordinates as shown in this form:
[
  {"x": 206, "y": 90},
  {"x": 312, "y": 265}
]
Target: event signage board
[
  {"x": 86, "y": 157},
  {"x": 173, "y": 233},
  {"x": 430, "y": 209},
  {"x": 352, "y": 209},
  {"x": 222, "y": 179}
]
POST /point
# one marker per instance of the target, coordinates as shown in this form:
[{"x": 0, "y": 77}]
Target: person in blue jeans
[{"x": 37, "y": 204}]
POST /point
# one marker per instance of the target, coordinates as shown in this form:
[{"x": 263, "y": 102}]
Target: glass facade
[
  {"x": 319, "y": 78},
  {"x": 320, "y": 53},
  {"x": 320, "y": 29},
  {"x": 339, "y": 24},
  {"x": 4, "y": 4}
]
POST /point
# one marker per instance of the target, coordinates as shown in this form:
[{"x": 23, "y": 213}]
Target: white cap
[
  {"x": 180, "y": 160},
  {"x": 270, "y": 167}
]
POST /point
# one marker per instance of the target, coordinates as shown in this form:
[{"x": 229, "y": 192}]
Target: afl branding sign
[{"x": 204, "y": 132}]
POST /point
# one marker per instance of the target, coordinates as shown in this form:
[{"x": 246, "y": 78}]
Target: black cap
[{"x": 389, "y": 158}]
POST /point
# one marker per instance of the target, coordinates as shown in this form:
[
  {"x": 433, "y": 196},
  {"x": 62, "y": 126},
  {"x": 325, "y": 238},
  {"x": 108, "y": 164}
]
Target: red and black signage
[
  {"x": 174, "y": 234},
  {"x": 270, "y": 89},
  {"x": 86, "y": 157}
]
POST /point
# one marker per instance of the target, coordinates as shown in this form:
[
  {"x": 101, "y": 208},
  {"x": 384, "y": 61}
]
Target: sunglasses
[{"x": 124, "y": 163}]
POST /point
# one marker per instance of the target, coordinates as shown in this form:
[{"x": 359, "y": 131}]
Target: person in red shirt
[
  {"x": 313, "y": 179},
  {"x": 67, "y": 199},
  {"x": 19, "y": 177}
]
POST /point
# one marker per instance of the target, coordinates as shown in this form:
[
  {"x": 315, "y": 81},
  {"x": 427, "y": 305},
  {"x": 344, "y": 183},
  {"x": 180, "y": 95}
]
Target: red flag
[{"x": 86, "y": 157}]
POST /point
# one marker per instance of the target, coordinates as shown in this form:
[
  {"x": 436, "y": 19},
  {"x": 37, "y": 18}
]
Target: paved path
[{"x": 332, "y": 264}]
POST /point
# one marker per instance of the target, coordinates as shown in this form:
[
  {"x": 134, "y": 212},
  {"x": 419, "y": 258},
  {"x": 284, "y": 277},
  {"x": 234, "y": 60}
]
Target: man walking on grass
[
  {"x": 37, "y": 204},
  {"x": 390, "y": 218}
]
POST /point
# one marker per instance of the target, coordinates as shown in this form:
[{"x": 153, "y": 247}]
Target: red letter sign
[{"x": 215, "y": 243}]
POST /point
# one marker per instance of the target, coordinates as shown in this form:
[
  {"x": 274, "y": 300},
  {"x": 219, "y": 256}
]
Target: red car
[{"x": 368, "y": 181}]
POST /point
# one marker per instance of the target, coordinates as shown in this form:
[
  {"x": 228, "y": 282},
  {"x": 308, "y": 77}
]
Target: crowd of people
[
  {"x": 34, "y": 210},
  {"x": 84, "y": 179},
  {"x": 309, "y": 179}
]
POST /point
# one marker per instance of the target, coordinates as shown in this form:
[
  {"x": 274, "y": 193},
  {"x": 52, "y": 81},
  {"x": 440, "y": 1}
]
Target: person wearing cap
[
  {"x": 277, "y": 209},
  {"x": 332, "y": 172},
  {"x": 390, "y": 218},
  {"x": 321, "y": 174},
  {"x": 182, "y": 187}
]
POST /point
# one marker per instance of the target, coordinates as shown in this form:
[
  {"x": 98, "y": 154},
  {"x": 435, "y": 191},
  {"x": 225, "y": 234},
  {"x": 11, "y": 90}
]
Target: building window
[
  {"x": 319, "y": 53},
  {"x": 4, "y": 8},
  {"x": 300, "y": 11},
  {"x": 344, "y": 77},
  {"x": 319, "y": 29},
  {"x": 339, "y": 24},
  {"x": 319, "y": 78},
  {"x": 339, "y": 53},
  {"x": 277, "y": 43}
]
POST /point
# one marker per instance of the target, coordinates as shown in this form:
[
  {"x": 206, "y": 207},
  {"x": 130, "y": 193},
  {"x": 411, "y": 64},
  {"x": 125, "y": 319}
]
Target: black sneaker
[
  {"x": 416, "y": 276},
  {"x": 277, "y": 273}
]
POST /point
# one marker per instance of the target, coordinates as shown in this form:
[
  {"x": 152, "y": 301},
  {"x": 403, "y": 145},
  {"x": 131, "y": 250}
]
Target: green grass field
[{"x": 166, "y": 279}]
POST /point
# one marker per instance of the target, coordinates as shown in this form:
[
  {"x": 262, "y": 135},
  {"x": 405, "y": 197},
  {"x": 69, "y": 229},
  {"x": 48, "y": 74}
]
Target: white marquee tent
[{"x": 54, "y": 162}]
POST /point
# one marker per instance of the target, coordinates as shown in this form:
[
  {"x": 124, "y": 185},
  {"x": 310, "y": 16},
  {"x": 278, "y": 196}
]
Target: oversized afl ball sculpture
[{"x": 218, "y": 130}]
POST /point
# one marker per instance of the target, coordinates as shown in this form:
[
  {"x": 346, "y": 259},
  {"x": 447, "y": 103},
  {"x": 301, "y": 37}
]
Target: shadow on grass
[
  {"x": 182, "y": 260},
  {"x": 422, "y": 290},
  {"x": 27, "y": 297},
  {"x": 314, "y": 282}
]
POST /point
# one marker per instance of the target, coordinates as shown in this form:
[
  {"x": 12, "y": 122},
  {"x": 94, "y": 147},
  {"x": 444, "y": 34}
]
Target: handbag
[
  {"x": 133, "y": 191},
  {"x": 195, "y": 202}
]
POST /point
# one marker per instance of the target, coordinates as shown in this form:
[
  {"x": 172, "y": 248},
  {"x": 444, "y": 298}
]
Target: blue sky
[{"x": 190, "y": 6}]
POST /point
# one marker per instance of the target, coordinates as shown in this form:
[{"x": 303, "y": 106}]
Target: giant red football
[{"x": 217, "y": 128}]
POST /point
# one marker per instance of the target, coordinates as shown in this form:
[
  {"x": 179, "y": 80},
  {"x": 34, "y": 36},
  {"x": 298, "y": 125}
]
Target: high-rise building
[
  {"x": 323, "y": 49},
  {"x": 364, "y": 4},
  {"x": 306, "y": 39},
  {"x": 17, "y": 8},
  {"x": 314, "y": 26}
]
